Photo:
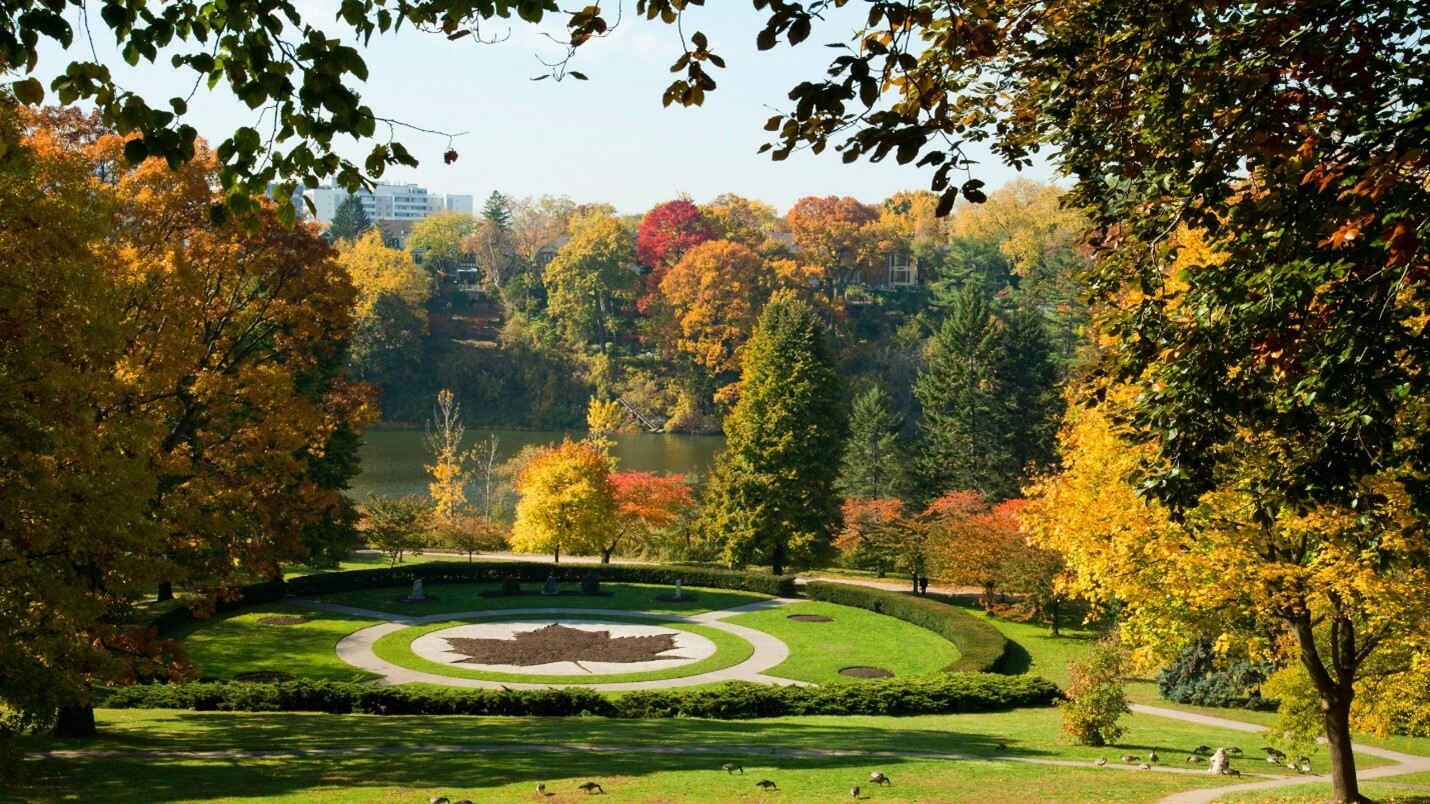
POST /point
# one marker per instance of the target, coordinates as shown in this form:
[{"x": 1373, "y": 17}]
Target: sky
[{"x": 607, "y": 139}]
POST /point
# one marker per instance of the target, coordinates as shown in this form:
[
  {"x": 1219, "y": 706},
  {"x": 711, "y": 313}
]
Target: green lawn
[
  {"x": 1320, "y": 792},
  {"x": 462, "y": 597},
  {"x": 856, "y": 637},
  {"x": 1032, "y": 648},
  {"x": 730, "y": 651},
  {"x": 510, "y": 774},
  {"x": 362, "y": 561},
  {"x": 229, "y": 644}
]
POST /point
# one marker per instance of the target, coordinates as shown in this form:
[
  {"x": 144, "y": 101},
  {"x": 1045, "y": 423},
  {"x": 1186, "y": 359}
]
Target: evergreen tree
[
  {"x": 497, "y": 210},
  {"x": 965, "y": 404},
  {"x": 772, "y": 496},
  {"x": 874, "y": 458},
  {"x": 1031, "y": 380},
  {"x": 349, "y": 221}
]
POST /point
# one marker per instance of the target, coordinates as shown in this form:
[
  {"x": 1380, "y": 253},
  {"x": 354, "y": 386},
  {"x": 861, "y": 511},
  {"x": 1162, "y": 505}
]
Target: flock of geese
[{"x": 1273, "y": 756}]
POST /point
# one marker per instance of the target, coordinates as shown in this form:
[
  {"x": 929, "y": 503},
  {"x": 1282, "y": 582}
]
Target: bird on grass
[
  {"x": 592, "y": 787},
  {"x": 1202, "y": 749},
  {"x": 1272, "y": 752},
  {"x": 1144, "y": 766},
  {"x": 1129, "y": 758},
  {"x": 731, "y": 767},
  {"x": 1232, "y": 772},
  {"x": 1000, "y": 747},
  {"x": 878, "y": 777},
  {"x": 1234, "y": 751},
  {"x": 1304, "y": 767},
  {"x": 1195, "y": 759},
  {"x": 1152, "y": 756},
  {"x": 438, "y": 800},
  {"x": 766, "y": 784},
  {"x": 854, "y": 791},
  {"x": 541, "y": 788},
  {"x": 1100, "y": 761},
  {"x": 1271, "y": 759}
]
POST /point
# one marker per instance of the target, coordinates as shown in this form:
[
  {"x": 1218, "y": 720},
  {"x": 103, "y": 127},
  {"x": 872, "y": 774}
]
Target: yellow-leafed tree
[{"x": 565, "y": 501}]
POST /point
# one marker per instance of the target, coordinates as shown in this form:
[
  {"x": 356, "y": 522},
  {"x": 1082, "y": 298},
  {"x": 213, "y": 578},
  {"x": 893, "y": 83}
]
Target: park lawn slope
[
  {"x": 222, "y": 647},
  {"x": 854, "y": 637}
]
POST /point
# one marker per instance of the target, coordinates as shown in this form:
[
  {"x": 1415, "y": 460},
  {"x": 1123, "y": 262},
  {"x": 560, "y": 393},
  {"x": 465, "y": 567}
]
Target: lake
[{"x": 393, "y": 460}]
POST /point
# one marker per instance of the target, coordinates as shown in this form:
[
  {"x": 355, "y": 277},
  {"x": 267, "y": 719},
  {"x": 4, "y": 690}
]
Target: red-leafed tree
[
  {"x": 645, "y": 503},
  {"x": 667, "y": 232}
]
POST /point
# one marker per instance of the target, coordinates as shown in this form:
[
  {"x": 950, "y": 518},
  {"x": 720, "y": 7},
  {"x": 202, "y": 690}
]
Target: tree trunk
[
  {"x": 777, "y": 560},
  {"x": 915, "y": 577},
  {"x": 1336, "y": 691},
  {"x": 76, "y": 721},
  {"x": 606, "y": 553},
  {"x": 1057, "y": 606},
  {"x": 166, "y": 590},
  {"x": 1344, "y": 785},
  {"x": 557, "y": 558}
]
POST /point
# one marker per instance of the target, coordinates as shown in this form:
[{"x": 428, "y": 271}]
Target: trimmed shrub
[
  {"x": 495, "y": 571},
  {"x": 981, "y": 645},
  {"x": 928, "y": 694}
]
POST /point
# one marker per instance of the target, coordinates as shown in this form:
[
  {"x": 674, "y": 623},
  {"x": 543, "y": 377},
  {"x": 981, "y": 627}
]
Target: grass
[
  {"x": 226, "y": 645},
  {"x": 1033, "y": 649},
  {"x": 361, "y": 561},
  {"x": 509, "y": 775},
  {"x": 1318, "y": 793},
  {"x": 818, "y": 651},
  {"x": 730, "y": 651},
  {"x": 464, "y": 597}
]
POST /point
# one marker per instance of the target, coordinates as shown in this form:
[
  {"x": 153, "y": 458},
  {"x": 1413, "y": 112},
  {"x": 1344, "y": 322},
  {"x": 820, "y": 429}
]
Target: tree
[
  {"x": 1096, "y": 699},
  {"x": 350, "y": 221},
  {"x": 964, "y": 401},
  {"x": 591, "y": 279},
  {"x": 497, "y": 210},
  {"x": 441, "y": 239},
  {"x": 740, "y": 220},
  {"x": 467, "y": 532},
  {"x": 566, "y": 500},
  {"x": 666, "y": 234},
  {"x": 395, "y": 525},
  {"x": 772, "y": 492},
  {"x": 1030, "y": 379},
  {"x": 715, "y": 294},
  {"x": 646, "y": 503},
  {"x": 390, "y": 311},
  {"x": 874, "y": 458},
  {"x": 838, "y": 235},
  {"x": 77, "y": 539},
  {"x": 448, "y": 470},
  {"x": 877, "y": 533}
]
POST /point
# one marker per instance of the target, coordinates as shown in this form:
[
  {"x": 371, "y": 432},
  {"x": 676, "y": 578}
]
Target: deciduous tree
[
  {"x": 840, "y": 236},
  {"x": 646, "y": 503},
  {"x": 395, "y": 525},
  {"x": 441, "y": 240},
  {"x": 565, "y": 501},
  {"x": 715, "y": 294},
  {"x": 772, "y": 495},
  {"x": 592, "y": 280},
  {"x": 390, "y": 311},
  {"x": 741, "y": 220},
  {"x": 666, "y": 234}
]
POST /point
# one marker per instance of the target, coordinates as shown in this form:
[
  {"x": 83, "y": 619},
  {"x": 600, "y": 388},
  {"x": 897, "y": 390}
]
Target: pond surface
[{"x": 393, "y": 461}]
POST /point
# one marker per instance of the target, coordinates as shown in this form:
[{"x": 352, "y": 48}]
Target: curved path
[{"x": 356, "y": 648}]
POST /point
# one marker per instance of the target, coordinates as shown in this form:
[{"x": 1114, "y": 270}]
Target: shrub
[
  {"x": 1194, "y": 678},
  {"x": 929, "y": 694},
  {"x": 495, "y": 571},
  {"x": 981, "y": 645},
  {"x": 1095, "y": 697}
]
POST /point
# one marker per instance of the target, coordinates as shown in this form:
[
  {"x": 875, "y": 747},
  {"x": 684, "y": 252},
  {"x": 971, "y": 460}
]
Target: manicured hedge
[
  {"x": 981, "y": 645},
  {"x": 494, "y": 571},
  {"x": 928, "y": 694}
]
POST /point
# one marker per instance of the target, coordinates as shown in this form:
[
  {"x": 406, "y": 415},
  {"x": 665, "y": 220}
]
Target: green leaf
[
  {"x": 135, "y": 151},
  {"x": 29, "y": 92}
]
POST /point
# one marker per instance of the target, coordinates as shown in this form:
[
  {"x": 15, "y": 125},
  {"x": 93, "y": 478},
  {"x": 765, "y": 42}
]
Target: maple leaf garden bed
[{"x": 852, "y": 627}]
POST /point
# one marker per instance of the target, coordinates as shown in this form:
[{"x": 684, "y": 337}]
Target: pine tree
[
  {"x": 1031, "y": 380},
  {"x": 349, "y": 220},
  {"x": 874, "y": 457},
  {"x": 497, "y": 210},
  {"x": 772, "y": 496},
  {"x": 965, "y": 404}
]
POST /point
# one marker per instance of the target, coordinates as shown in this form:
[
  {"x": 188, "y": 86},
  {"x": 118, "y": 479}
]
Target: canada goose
[
  {"x": 1152, "y": 756},
  {"x": 854, "y": 791},
  {"x": 541, "y": 788},
  {"x": 1129, "y": 758},
  {"x": 1100, "y": 761},
  {"x": 592, "y": 787},
  {"x": 1195, "y": 759},
  {"x": 1202, "y": 749},
  {"x": 1234, "y": 751},
  {"x": 766, "y": 784},
  {"x": 1232, "y": 772},
  {"x": 1271, "y": 759},
  {"x": 1273, "y": 752},
  {"x": 438, "y": 800},
  {"x": 731, "y": 767},
  {"x": 1000, "y": 747},
  {"x": 878, "y": 777},
  {"x": 1304, "y": 767}
]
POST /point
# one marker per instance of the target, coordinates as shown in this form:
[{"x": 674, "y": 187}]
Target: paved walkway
[
  {"x": 356, "y": 648},
  {"x": 1406, "y": 763}
]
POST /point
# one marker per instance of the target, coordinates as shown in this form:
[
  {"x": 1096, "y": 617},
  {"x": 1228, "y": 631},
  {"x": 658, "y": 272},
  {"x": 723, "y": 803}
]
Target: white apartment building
[{"x": 388, "y": 202}]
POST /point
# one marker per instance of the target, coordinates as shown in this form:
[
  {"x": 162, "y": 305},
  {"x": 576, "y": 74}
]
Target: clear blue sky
[{"x": 605, "y": 139}]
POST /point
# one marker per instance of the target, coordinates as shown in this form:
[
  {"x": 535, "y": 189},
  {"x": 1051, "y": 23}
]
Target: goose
[
  {"x": 731, "y": 767},
  {"x": 592, "y": 787},
  {"x": 766, "y": 784},
  {"x": 877, "y": 777},
  {"x": 1152, "y": 756},
  {"x": 854, "y": 791},
  {"x": 1100, "y": 761}
]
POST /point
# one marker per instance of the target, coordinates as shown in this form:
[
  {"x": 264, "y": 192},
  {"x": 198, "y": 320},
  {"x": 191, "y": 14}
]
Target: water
[{"x": 393, "y": 461}]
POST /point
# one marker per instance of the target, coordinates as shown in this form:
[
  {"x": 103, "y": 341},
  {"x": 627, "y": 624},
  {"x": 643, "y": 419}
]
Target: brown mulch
[
  {"x": 811, "y": 618},
  {"x": 264, "y": 676},
  {"x": 866, "y": 672},
  {"x": 284, "y": 620},
  {"x": 560, "y": 643}
]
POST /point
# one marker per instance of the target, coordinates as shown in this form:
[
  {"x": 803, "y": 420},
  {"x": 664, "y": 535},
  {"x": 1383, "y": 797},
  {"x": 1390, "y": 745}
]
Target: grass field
[
  {"x": 361, "y": 561},
  {"x": 730, "y": 651},
  {"x": 1387, "y": 792},
  {"x": 461, "y": 597},
  {"x": 818, "y": 651},
  {"x": 226, "y": 645}
]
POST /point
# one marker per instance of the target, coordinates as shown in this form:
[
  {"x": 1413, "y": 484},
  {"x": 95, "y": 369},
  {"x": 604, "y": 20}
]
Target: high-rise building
[{"x": 388, "y": 202}]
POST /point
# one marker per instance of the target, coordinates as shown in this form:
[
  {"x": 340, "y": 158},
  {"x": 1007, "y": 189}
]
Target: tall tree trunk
[
  {"x": 606, "y": 553},
  {"x": 166, "y": 590},
  {"x": 76, "y": 721},
  {"x": 1057, "y": 606},
  {"x": 1344, "y": 785},
  {"x": 777, "y": 560},
  {"x": 557, "y": 558},
  {"x": 1337, "y": 692},
  {"x": 915, "y": 578}
]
